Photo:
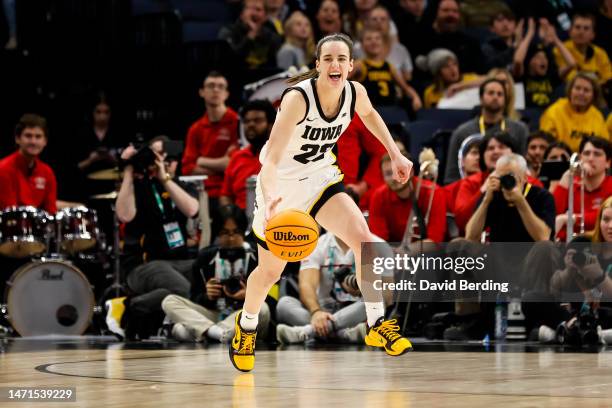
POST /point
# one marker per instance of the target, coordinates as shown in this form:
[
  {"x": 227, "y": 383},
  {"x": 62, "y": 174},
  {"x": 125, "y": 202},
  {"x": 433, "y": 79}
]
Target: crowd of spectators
[{"x": 410, "y": 54}]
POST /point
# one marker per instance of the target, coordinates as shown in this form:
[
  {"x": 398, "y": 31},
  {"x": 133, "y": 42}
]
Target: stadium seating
[
  {"x": 200, "y": 31},
  {"x": 203, "y": 10},
  {"x": 143, "y": 7},
  {"x": 446, "y": 118}
]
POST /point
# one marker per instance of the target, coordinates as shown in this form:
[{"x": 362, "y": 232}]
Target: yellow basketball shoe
[
  {"x": 115, "y": 309},
  {"x": 385, "y": 334},
  {"x": 242, "y": 347}
]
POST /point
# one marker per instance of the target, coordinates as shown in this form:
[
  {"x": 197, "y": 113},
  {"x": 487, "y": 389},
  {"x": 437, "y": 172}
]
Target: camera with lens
[
  {"x": 345, "y": 275},
  {"x": 232, "y": 254},
  {"x": 507, "y": 181},
  {"x": 582, "y": 246},
  {"x": 232, "y": 284},
  {"x": 141, "y": 161},
  {"x": 584, "y": 330}
]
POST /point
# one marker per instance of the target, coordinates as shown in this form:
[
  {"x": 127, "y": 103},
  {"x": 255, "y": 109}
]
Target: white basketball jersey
[{"x": 310, "y": 147}]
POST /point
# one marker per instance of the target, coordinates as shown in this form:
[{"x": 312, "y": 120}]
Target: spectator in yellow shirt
[
  {"x": 448, "y": 79},
  {"x": 588, "y": 57},
  {"x": 609, "y": 124},
  {"x": 571, "y": 118}
]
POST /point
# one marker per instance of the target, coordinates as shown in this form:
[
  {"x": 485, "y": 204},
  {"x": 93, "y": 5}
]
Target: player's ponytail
[{"x": 313, "y": 72}]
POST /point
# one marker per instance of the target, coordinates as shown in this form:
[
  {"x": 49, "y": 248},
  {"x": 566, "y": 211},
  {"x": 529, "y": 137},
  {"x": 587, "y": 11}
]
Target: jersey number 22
[{"x": 312, "y": 150}]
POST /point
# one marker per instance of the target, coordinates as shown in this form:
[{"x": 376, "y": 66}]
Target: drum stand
[
  {"x": 204, "y": 211},
  {"x": 117, "y": 286}
]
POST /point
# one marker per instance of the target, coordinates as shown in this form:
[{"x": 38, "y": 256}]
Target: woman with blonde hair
[
  {"x": 299, "y": 47},
  {"x": 603, "y": 225}
]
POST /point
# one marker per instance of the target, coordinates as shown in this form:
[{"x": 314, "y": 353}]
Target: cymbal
[
  {"x": 106, "y": 196},
  {"x": 106, "y": 174}
]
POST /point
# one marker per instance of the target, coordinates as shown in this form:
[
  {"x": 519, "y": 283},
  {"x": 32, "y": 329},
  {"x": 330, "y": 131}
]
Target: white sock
[
  {"x": 248, "y": 321},
  {"x": 215, "y": 332},
  {"x": 374, "y": 311}
]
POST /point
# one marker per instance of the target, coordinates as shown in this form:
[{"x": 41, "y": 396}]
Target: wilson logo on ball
[{"x": 290, "y": 236}]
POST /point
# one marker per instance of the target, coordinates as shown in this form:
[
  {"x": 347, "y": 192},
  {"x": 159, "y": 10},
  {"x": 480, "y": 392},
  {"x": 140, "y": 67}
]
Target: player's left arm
[{"x": 372, "y": 120}]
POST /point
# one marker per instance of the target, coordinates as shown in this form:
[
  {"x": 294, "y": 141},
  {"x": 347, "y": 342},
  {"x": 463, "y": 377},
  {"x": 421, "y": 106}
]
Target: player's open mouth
[{"x": 335, "y": 76}]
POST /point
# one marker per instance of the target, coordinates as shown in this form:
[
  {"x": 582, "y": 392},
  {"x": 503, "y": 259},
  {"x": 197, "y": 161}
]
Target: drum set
[{"x": 47, "y": 294}]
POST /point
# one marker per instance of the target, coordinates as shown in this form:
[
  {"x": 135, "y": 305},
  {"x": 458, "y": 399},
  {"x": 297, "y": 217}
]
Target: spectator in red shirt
[
  {"x": 356, "y": 141},
  {"x": 24, "y": 178},
  {"x": 257, "y": 117},
  {"x": 391, "y": 207},
  {"x": 469, "y": 164},
  {"x": 595, "y": 156},
  {"x": 492, "y": 147},
  {"x": 212, "y": 138}
]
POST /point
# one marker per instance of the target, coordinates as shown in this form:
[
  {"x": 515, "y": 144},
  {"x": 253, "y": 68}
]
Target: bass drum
[{"x": 49, "y": 297}]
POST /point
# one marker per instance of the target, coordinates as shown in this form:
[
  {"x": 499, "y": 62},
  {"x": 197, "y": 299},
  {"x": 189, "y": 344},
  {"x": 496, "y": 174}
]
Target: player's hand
[
  {"x": 402, "y": 168},
  {"x": 319, "y": 322},
  {"x": 271, "y": 205},
  {"x": 213, "y": 289}
]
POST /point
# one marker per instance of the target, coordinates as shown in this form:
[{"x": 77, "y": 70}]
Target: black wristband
[{"x": 314, "y": 311}]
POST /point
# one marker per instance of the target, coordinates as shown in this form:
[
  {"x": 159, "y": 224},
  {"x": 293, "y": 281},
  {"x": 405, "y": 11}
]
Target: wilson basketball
[{"x": 292, "y": 235}]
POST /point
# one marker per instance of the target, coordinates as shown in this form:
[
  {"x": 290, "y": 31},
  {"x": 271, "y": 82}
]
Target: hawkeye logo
[{"x": 290, "y": 236}]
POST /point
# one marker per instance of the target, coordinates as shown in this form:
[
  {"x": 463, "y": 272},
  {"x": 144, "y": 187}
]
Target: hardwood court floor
[{"x": 162, "y": 374}]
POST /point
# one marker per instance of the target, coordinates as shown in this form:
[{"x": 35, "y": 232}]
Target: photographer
[
  {"x": 329, "y": 307},
  {"x": 155, "y": 209},
  {"x": 218, "y": 285},
  {"x": 586, "y": 282},
  {"x": 588, "y": 261},
  {"x": 512, "y": 209}
]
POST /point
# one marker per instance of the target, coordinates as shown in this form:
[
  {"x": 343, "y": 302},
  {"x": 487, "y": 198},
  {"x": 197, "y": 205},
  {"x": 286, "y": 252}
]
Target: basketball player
[{"x": 298, "y": 172}]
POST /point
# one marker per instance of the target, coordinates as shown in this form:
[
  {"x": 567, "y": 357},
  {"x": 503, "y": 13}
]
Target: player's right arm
[{"x": 291, "y": 112}]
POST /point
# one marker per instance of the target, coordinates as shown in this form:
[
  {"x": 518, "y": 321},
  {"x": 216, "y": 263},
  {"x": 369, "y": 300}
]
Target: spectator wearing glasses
[{"x": 212, "y": 138}]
